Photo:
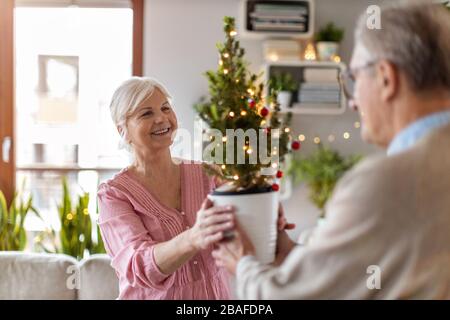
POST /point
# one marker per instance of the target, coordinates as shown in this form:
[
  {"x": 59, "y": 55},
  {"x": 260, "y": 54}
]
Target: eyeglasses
[{"x": 347, "y": 79}]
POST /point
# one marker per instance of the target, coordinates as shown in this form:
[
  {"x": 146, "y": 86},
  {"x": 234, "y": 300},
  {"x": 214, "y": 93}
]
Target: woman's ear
[{"x": 120, "y": 130}]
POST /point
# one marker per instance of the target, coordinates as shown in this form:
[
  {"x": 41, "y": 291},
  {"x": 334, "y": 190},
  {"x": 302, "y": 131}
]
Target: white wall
[{"x": 179, "y": 46}]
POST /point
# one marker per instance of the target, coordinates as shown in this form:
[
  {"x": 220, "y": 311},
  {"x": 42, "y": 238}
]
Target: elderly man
[{"x": 387, "y": 234}]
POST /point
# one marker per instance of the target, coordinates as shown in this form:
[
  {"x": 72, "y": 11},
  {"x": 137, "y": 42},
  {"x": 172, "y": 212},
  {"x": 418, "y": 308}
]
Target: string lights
[{"x": 332, "y": 137}]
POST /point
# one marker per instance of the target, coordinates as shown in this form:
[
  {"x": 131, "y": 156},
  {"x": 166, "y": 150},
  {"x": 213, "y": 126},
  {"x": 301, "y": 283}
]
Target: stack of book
[
  {"x": 320, "y": 86},
  {"x": 279, "y": 18}
]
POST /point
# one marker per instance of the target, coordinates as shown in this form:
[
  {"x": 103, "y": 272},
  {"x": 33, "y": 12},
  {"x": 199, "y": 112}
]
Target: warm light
[
  {"x": 249, "y": 151},
  {"x": 236, "y": 177},
  {"x": 346, "y": 135},
  {"x": 223, "y": 167},
  {"x": 274, "y": 165},
  {"x": 357, "y": 124},
  {"x": 274, "y": 153},
  {"x": 263, "y": 123},
  {"x": 225, "y": 71},
  {"x": 301, "y": 137},
  {"x": 237, "y": 80},
  {"x": 310, "y": 52},
  {"x": 69, "y": 216},
  {"x": 233, "y": 33},
  {"x": 243, "y": 113},
  {"x": 226, "y": 55},
  {"x": 336, "y": 58},
  {"x": 331, "y": 138},
  {"x": 273, "y": 57},
  {"x": 316, "y": 140},
  {"x": 220, "y": 62},
  {"x": 287, "y": 130},
  {"x": 224, "y": 139},
  {"x": 251, "y": 91},
  {"x": 86, "y": 211},
  {"x": 231, "y": 114}
]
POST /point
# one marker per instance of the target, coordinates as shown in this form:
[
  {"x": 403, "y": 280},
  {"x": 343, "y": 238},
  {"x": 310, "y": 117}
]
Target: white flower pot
[
  {"x": 327, "y": 50},
  {"x": 257, "y": 214},
  {"x": 284, "y": 99}
]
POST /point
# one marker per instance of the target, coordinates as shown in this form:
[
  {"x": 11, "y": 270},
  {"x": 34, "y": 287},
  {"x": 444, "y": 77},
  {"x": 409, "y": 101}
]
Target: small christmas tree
[{"x": 237, "y": 101}]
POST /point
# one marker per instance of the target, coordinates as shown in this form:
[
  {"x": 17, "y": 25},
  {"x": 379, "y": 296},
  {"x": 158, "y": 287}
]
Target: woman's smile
[{"x": 162, "y": 132}]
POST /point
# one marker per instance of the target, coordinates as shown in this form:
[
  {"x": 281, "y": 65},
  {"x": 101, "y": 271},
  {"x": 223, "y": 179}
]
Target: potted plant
[
  {"x": 321, "y": 171},
  {"x": 327, "y": 41},
  {"x": 12, "y": 232},
  {"x": 75, "y": 236},
  {"x": 285, "y": 85},
  {"x": 247, "y": 163}
]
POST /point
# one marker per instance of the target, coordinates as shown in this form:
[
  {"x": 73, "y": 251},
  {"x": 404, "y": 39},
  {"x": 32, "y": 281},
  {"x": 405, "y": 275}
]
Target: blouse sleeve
[{"x": 128, "y": 242}]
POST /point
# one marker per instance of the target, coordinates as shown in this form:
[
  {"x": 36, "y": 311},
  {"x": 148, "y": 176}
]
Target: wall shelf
[
  {"x": 277, "y": 18},
  {"x": 323, "y": 85}
]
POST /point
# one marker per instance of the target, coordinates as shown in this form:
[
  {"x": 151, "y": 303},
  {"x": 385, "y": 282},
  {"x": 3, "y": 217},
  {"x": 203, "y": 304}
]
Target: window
[{"x": 69, "y": 57}]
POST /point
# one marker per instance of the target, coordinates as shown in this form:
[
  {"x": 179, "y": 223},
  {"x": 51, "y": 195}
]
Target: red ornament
[
  {"x": 275, "y": 187},
  {"x": 251, "y": 103},
  {"x": 295, "y": 145},
  {"x": 279, "y": 174},
  {"x": 264, "y": 112}
]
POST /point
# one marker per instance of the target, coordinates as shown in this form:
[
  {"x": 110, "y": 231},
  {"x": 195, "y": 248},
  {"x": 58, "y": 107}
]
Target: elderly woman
[{"x": 156, "y": 224}]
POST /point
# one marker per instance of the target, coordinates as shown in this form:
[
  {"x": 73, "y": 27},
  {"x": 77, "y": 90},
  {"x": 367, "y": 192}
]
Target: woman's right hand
[{"x": 211, "y": 224}]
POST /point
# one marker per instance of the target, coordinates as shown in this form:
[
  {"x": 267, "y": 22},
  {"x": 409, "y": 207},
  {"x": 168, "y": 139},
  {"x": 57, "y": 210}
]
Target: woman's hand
[{"x": 210, "y": 225}]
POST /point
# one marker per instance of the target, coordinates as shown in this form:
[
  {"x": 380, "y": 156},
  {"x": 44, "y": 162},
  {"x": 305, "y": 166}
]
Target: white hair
[
  {"x": 127, "y": 97},
  {"x": 415, "y": 36}
]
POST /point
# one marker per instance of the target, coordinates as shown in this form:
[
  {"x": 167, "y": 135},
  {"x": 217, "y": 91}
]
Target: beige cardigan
[{"x": 391, "y": 212}]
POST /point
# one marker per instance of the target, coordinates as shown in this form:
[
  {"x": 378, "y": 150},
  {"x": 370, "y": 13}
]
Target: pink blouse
[{"x": 132, "y": 221}]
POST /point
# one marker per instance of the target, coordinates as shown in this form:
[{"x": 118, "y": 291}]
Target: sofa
[{"x": 44, "y": 276}]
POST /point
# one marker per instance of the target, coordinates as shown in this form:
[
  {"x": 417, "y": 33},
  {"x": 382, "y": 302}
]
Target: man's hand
[
  {"x": 282, "y": 222},
  {"x": 284, "y": 247},
  {"x": 284, "y": 243},
  {"x": 229, "y": 251}
]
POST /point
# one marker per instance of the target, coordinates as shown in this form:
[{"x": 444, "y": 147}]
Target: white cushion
[
  {"x": 36, "y": 276},
  {"x": 98, "y": 280}
]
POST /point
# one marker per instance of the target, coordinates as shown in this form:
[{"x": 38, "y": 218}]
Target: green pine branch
[{"x": 236, "y": 97}]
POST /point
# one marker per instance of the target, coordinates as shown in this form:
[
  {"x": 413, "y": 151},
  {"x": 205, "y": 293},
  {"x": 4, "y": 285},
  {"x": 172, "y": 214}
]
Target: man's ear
[{"x": 388, "y": 79}]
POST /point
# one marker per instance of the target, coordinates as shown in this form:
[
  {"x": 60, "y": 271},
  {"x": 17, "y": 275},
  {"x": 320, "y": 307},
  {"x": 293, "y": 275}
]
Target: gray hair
[
  {"x": 415, "y": 36},
  {"x": 127, "y": 98}
]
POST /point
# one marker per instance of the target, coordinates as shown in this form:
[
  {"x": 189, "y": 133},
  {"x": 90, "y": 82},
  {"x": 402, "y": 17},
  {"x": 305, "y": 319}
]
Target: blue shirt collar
[{"x": 417, "y": 130}]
